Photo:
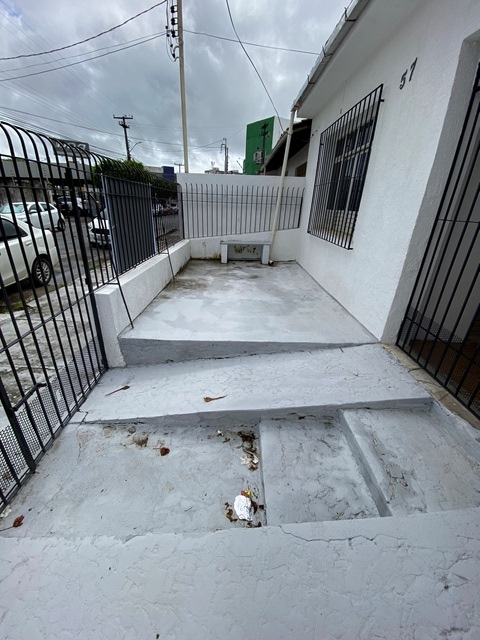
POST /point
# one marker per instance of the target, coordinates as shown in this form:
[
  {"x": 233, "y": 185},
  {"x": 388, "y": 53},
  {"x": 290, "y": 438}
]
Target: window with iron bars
[{"x": 341, "y": 171}]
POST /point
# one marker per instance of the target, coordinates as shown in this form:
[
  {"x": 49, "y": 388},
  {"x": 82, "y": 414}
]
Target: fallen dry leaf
[
  {"x": 117, "y": 390},
  {"x": 164, "y": 451},
  {"x": 18, "y": 521},
  {"x": 207, "y": 399}
]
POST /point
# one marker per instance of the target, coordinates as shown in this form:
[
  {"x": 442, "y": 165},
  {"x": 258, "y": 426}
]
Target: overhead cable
[
  {"x": 74, "y": 44},
  {"x": 253, "y": 65},
  {"x": 252, "y": 44},
  {"x": 72, "y": 64}
]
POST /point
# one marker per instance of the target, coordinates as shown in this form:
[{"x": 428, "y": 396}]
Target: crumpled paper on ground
[{"x": 243, "y": 508}]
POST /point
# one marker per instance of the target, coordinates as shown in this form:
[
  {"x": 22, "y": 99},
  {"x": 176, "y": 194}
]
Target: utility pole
[
  {"x": 182, "y": 84},
  {"x": 178, "y": 164},
  {"x": 125, "y": 126},
  {"x": 224, "y": 148}
]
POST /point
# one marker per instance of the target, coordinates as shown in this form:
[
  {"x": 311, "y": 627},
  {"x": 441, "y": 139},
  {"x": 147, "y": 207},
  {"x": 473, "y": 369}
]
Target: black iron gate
[
  {"x": 57, "y": 246},
  {"x": 441, "y": 329},
  {"x": 51, "y": 349}
]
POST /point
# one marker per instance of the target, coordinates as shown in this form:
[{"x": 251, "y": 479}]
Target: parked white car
[
  {"x": 50, "y": 217},
  {"x": 40, "y": 252},
  {"x": 99, "y": 230}
]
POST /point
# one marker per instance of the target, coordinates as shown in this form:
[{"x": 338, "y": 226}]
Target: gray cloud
[{"x": 223, "y": 92}]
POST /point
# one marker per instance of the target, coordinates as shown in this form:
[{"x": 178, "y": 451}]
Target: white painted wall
[
  {"x": 293, "y": 162},
  {"x": 285, "y": 248},
  {"x": 416, "y": 134},
  {"x": 140, "y": 286}
]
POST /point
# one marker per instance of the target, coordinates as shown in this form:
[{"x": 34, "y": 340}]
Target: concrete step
[
  {"x": 258, "y": 386},
  {"x": 309, "y": 472},
  {"x": 151, "y": 350},
  {"x": 415, "y": 460},
  {"x": 218, "y": 311},
  {"x": 398, "y": 578}
]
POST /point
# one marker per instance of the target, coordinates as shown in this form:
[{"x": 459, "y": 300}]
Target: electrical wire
[
  {"x": 72, "y": 64},
  {"x": 78, "y": 55},
  {"x": 253, "y": 65},
  {"x": 70, "y": 124},
  {"x": 94, "y": 94},
  {"x": 74, "y": 44},
  {"x": 252, "y": 44},
  {"x": 119, "y": 135}
]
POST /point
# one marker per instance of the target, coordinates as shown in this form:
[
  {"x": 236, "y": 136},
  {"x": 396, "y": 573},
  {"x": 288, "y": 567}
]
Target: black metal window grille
[
  {"x": 222, "y": 209},
  {"x": 441, "y": 328},
  {"x": 342, "y": 166}
]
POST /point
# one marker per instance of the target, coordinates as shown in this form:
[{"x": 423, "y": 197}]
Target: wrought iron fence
[
  {"x": 229, "y": 209},
  {"x": 57, "y": 203}
]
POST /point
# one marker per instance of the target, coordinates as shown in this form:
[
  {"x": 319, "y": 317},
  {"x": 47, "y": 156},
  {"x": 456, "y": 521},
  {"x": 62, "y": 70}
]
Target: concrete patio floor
[
  {"x": 218, "y": 310},
  {"x": 366, "y": 492}
]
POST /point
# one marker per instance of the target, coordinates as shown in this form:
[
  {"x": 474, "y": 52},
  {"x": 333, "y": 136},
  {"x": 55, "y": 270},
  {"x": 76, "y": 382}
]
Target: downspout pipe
[{"x": 282, "y": 178}]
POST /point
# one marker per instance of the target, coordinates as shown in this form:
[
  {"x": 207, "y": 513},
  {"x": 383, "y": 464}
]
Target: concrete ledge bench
[{"x": 245, "y": 250}]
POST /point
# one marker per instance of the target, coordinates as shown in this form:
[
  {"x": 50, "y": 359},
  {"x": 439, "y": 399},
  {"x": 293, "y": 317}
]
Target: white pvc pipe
[{"x": 282, "y": 178}]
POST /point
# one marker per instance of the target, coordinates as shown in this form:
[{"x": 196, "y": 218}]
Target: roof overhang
[
  {"x": 364, "y": 26},
  {"x": 300, "y": 138}
]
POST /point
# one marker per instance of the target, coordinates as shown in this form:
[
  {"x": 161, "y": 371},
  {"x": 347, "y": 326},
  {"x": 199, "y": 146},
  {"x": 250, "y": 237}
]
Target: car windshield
[{"x": 16, "y": 207}]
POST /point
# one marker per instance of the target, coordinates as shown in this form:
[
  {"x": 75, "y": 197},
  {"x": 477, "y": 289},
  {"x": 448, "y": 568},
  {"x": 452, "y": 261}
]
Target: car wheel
[
  {"x": 61, "y": 224},
  {"x": 41, "y": 271}
]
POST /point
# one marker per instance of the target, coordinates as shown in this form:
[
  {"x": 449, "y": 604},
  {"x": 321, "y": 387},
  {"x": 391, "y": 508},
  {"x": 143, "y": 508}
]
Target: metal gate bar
[
  {"x": 441, "y": 329},
  {"x": 51, "y": 350}
]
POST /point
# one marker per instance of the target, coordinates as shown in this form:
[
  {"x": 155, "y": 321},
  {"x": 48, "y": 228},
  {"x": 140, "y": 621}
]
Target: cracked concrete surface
[
  {"x": 120, "y": 541},
  {"x": 399, "y": 578}
]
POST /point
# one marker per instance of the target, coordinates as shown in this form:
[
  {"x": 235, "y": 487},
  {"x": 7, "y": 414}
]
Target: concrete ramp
[{"x": 219, "y": 311}]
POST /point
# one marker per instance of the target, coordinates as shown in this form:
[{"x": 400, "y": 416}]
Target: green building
[{"x": 259, "y": 133}]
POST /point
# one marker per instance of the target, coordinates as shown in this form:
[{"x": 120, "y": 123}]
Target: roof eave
[{"x": 350, "y": 15}]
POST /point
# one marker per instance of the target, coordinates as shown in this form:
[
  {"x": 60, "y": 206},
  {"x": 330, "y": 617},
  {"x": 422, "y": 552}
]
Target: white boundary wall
[
  {"x": 417, "y": 131},
  {"x": 286, "y": 241},
  {"x": 140, "y": 286}
]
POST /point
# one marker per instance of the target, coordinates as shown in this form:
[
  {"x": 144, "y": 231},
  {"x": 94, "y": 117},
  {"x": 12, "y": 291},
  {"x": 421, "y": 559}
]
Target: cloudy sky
[{"x": 224, "y": 93}]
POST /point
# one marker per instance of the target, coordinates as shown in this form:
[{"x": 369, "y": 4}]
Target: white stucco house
[
  {"x": 391, "y": 210},
  {"x": 401, "y": 75}
]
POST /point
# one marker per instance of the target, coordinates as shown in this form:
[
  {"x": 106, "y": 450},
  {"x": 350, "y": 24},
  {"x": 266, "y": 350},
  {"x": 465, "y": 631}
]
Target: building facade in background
[{"x": 261, "y": 137}]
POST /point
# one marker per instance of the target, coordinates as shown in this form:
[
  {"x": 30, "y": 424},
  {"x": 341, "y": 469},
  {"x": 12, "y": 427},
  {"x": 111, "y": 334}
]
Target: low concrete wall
[
  {"x": 283, "y": 250},
  {"x": 139, "y": 286}
]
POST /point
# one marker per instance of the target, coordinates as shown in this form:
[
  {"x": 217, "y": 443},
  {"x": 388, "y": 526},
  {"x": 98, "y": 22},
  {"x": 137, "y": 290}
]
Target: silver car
[{"x": 38, "y": 214}]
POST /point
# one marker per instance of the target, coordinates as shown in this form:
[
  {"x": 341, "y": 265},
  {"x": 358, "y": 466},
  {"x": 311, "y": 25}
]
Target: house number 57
[{"x": 405, "y": 74}]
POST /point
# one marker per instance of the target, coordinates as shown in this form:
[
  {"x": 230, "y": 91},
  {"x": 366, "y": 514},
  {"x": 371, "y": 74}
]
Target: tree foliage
[{"x": 135, "y": 172}]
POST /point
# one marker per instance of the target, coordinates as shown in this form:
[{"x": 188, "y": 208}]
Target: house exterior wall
[{"x": 415, "y": 139}]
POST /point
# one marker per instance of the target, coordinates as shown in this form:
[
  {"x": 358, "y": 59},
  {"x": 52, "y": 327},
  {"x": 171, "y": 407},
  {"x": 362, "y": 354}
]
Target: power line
[
  {"x": 119, "y": 135},
  {"x": 74, "y": 73},
  {"x": 253, "y": 65},
  {"x": 252, "y": 44},
  {"x": 102, "y": 33},
  {"x": 72, "y": 64},
  {"x": 78, "y": 55}
]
